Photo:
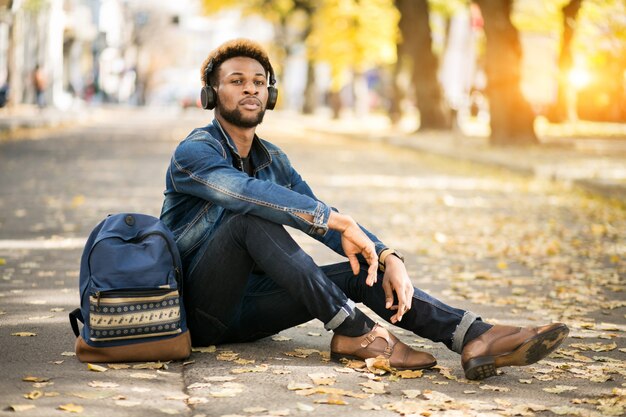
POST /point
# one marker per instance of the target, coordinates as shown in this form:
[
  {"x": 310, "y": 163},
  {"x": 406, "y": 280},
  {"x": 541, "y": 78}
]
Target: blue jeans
[{"x": 252, "y": 280}]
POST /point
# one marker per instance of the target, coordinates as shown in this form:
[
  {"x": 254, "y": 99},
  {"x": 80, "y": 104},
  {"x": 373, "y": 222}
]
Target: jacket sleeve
[
  {"x": 332, "y": 239},
  {"x": 200, "y": 168}
]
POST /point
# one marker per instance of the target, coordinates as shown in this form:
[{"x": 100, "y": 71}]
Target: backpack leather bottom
[{"x": 173, "y": 348}]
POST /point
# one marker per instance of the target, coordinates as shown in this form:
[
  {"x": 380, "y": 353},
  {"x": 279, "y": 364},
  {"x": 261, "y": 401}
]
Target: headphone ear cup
[
  {"x": 272, "y": 97},
  {"x": 207, "y": 98}
]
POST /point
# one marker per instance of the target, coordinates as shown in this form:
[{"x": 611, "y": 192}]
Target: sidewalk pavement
[
  {"x": 571, "y": 156},
  {"x": 575, "y": 155}
]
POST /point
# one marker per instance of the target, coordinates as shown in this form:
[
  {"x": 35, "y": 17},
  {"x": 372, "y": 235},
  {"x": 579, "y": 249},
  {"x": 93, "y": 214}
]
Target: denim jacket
[{"x": 205, "y": 179}]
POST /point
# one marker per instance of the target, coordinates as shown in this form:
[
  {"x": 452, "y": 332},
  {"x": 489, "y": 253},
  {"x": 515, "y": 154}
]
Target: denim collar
[{"x": 260, "y": 155}]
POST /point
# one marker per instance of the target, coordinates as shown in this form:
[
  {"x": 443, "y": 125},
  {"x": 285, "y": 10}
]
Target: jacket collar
[{"x": 260, "y": 155}]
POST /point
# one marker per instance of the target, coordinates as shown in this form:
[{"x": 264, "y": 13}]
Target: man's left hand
[{"x": 396, "y": 279}]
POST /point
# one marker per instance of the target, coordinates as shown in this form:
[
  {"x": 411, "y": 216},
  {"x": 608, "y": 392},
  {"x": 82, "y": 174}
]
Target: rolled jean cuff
[
  {"x": 459, "y": 334},
  {"x": 343, "y": 313}
]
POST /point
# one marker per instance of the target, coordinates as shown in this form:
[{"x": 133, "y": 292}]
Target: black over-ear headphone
[{"x": 208, "y": 95}]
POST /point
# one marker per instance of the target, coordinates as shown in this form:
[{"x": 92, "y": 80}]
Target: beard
[{"x": 236, "y": 117}]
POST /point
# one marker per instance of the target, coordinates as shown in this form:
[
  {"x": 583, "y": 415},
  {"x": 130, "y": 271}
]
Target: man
[{"x": 228, "y": 196}]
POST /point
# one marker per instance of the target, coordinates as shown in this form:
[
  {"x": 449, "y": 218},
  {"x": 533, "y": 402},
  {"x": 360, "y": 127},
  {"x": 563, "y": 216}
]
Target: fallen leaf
[
  {"x": 102, "y": 384},
  {"x": 331, "y": 391},
  {"x": 199, "y": 385},
  {"x": 204, "y": 349},
  {"x": 560, "y": 389},
  {"x": 294, "y": 386},
  {"x": 332, "y": 400},
  {"x": 24, "y": 334},
  {"x": 127, "y": 403},
  {"x": 143, "y": 375},
  {"x": 525, "y": 381},
  {"x": 373, "y": 387},
  {"x": 305, "y": 407},
  {"x": 71, "y": 408},
  {"x": 596, "y": 347},
  {"x": 150, "y": 365},
  {"x": 21, "y": 407},
  {"x": 142, "y": 389},
  {"x": 170, "y": 411},
  {"x": 494, "y": 388},
  {"x": 378, "y": 365},
  {"x": 409, "y": 374},
  {"x": 227, "y": 356},
  {"x": 411, "y": 393},
  {"x": 96, "y": 368},
  {"x": 314, "y": 334},
  {"x": 68, "y": 354},
  {"x": 57, "y": 309},
  {"x": 33, "y": 395},
  {"x": 241, "y": 361},
  {"x": 259, "y": 368},
  {"x": 35, "y": 379},
  {"x": 323, "y": 379},
  {"x": 281, "y": 338},
  {"x": 118, "y": 366}
]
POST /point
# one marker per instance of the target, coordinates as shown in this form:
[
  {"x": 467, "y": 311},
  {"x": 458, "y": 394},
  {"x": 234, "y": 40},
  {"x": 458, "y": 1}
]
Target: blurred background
[{"x": 499, "y": 68}]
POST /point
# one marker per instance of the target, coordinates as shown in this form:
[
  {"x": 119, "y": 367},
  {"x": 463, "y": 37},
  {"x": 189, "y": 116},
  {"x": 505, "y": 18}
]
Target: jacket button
[
  {"x": 320, "y": 230},
  {"x": 130, "y": 220}
]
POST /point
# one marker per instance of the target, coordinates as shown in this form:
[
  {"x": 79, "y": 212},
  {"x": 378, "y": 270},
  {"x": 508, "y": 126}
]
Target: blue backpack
[{"x": 131, "y": 303}]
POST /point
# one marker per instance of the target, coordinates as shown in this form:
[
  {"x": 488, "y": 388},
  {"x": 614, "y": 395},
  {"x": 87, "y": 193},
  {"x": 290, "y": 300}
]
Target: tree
[
  {"x": 511, "y": 116},
  {"x": 570, "y": 11},
  {"x": 352, "y": 36},
  {"x": 415, "y": 47}
]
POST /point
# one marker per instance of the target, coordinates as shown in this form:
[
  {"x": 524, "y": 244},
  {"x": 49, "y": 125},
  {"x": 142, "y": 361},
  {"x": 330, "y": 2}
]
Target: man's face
[{"x": 242, "y": 91}]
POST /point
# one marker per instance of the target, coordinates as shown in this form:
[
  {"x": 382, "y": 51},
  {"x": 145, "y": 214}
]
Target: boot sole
[
  {"x": 529, "y": 352},
  {"x": 336, "y": 357}
]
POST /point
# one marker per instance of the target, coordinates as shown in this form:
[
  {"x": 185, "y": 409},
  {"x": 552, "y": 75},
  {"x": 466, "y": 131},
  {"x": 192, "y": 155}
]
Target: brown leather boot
[
  {"x": 510, "y": 346},
  {"x": 379, "y": 342}
]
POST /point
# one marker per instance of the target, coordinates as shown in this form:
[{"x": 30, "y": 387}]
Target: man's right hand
[{"x": 354, "y": 241}]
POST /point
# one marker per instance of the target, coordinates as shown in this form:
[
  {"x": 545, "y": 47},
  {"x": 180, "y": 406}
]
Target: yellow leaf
[
  {"x": 71, "y": 408},
  {"x": 255, "y": 410},
  {"x": 260, "y": 368},
  {"x": 21, "y": 407},
  {"x": 305, "y": 407},
  {"x": 294, "y": 386},
  {"x": 101, "y": 384},
  {"x": 242, "y": 361},
  {"x": 3, "y": 261},
  {"x": 78, "y": 201},
  {"x": 24, "y": 334},
  {"x": 502, "y": 265},
  {"x": 281, "y": 338},
  {"x": 35, "y": 379},
  {"x": 560, "y": 389},
  {"x": 409, "y": 374},
  {"x": 33, "y": 395},
  {"x": 332, "y": 400},
  {"x": 118, "y": 366},
  {"x": 151, "y": 365},
  {"x": 378, "y": 365},
  {"x": 373, "y": 387},
  {"x": 206, "y": 349},
  {"x": 96, "y": 368},
  {"x": 323, "y": 379}
]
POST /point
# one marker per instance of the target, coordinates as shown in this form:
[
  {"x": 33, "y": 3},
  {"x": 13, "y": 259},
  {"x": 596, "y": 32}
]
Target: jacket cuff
[{"x": 320, "y": 220}]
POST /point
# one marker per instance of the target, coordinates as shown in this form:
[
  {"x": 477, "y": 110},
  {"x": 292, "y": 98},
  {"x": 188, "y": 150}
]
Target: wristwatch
[{"x": 383, "y": 256}]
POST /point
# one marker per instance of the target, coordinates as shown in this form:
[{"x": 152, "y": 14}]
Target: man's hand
[
  {"x": 396, "y": 279},
  {"x": 354, "y": 241}
]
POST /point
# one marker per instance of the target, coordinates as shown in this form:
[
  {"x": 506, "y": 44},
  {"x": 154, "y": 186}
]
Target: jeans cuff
[
  {"x": 459, "y": 334},
  {"x": 343, "y": 313}
]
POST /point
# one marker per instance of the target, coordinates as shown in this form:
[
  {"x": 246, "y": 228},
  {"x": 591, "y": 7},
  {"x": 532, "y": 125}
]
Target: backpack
[{"x": 131, "y": 284}]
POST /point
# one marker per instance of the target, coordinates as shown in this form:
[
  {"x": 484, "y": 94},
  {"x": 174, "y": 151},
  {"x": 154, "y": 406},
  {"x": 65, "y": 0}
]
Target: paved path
[{"x": 515, "y": 249}]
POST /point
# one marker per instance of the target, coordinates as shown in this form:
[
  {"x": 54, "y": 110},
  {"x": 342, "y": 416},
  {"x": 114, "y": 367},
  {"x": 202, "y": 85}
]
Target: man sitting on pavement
[{"x": 229, "y": 195}]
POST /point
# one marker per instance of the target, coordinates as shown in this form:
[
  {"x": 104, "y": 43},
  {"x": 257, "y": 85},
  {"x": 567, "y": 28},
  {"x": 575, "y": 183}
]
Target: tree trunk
[
  {"x": 511, "y": 115},
  {"x": 570, "y": 11},
  {"x": 310, "y": 90},
  {"x": 417, "y": 45}
]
